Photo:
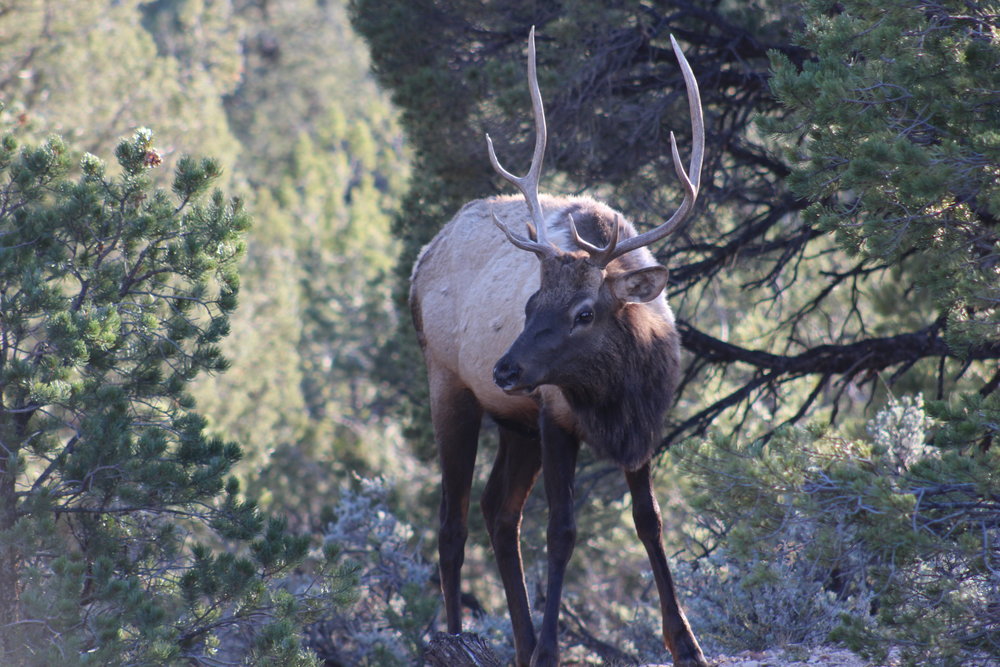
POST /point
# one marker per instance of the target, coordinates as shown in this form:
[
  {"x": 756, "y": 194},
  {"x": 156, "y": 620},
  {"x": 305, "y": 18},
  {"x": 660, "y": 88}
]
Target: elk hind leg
[
  {"x": 677, "y": 634},
  {"x": 514, "y": 473},
  {"x": 457, "y": 416}
]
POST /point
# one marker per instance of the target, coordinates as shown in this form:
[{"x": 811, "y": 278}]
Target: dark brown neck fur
[{"x": 621, "y": 416}]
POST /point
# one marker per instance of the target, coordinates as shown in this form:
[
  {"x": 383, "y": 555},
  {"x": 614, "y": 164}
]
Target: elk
[{"x": 561, "y": 335}]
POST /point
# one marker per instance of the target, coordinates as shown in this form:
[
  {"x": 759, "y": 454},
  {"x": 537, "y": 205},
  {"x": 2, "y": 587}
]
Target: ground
[
  {"x": 823, "y": 656},
  {"x": 814, "y": 656}
]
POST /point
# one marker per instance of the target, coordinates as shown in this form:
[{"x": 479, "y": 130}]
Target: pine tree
[
  {"x": 113, "y": 497},
  {"x": 898, "y": 156},
  {"x": 891, "y": 135},
  {"x": 901, "y": 151}
]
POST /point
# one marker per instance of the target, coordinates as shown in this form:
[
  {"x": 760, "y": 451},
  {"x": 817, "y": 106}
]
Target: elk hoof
[
  {"x": 685, "y": 650},
  {"x": 545, "y": 657}
]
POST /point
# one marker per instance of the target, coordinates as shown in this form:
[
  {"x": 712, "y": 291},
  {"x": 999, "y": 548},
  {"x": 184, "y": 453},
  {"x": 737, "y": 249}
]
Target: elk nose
[{"x": 506, "y": 374}]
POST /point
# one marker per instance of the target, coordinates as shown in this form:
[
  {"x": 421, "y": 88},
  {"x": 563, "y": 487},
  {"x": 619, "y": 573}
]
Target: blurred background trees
[{"x": 842, "y": 269}]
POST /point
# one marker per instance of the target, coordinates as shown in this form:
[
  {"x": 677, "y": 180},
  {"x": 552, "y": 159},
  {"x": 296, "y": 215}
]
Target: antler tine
[
  {"x": 518, "y": 240},
  {"x": 528, "y": 184},
  {"x": 599, "y": 256},
  {"x": 691, "y": 184}
]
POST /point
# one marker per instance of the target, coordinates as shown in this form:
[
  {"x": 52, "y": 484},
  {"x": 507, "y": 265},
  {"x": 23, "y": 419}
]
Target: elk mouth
[
  {"x": 509, "y": 376},
  {"x": 520, "y": 390}
]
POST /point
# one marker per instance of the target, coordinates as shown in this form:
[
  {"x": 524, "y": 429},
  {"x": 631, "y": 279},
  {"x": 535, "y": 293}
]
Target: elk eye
[{"x": 585, "y": 316}]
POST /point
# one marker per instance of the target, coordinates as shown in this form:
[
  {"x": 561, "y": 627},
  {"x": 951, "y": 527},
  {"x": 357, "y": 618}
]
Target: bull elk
[{"x": 578, "y": 347}]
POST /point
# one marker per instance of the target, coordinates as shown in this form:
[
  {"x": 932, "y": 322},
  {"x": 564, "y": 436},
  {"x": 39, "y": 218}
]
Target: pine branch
[{"x": 870, "y": 355}]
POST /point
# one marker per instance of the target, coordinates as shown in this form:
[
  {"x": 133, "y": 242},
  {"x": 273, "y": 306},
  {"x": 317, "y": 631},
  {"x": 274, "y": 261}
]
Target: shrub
[
  {"x": 389, "y": 622},
  {"x": 874, "y": 542}
]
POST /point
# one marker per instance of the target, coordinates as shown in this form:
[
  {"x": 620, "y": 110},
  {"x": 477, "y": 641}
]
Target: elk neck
[{"x": 619, "y": 412}]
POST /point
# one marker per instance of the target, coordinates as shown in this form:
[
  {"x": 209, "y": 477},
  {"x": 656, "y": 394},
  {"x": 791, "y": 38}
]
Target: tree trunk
[
  {"x": 463, "y": 650},
  {"x": 9, "y": 589}
]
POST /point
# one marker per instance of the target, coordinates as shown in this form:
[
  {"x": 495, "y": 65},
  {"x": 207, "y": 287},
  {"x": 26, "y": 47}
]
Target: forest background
[{"x": 266, "y": 487}]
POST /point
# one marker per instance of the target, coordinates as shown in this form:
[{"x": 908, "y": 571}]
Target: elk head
[{"x": 573, "y": 317}]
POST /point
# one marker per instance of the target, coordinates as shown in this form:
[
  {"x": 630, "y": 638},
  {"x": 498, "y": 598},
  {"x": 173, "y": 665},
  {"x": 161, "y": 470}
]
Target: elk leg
[
  {"x": 514, "y": 473},
  {"x": 677, "y": 633},
  {"x": 456, "y": 415},
  {"x": 559, "y": 450}
]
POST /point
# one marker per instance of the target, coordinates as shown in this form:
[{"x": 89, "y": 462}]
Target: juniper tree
[{"x": 114, "y": 500}]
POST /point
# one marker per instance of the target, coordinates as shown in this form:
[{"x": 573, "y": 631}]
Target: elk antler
[
  {"x": 537, "y": 241},
  {"x": 599, "y": 256},
  {"x": 604, "y": 256}
]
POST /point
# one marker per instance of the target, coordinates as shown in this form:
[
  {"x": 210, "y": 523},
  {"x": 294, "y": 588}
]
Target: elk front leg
[
  {"x": 559, "y": 451},
  {"x": 514, "y": 473},
  {"x": 677, "y": 633},
  {"x": 457, "y": 417}
]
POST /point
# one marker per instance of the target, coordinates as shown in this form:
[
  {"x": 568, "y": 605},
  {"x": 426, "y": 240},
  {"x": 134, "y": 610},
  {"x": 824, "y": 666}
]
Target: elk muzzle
[{"x": 508, "y": 374}]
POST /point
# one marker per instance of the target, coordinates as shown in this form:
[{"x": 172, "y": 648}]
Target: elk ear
[{"x": 640, "y": 285}]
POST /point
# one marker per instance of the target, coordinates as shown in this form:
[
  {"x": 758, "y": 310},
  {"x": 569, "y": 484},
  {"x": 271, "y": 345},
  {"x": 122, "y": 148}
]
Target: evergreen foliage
[
  {"x": 898, "y": 158},
  {"x": 323, "y": 153},
  {"x": 901, "y": 148},
  {"x": 114, "y": 297},
  {"x": 90, "y": 71},
  {"x": 305, "y": 137},
  {"x": 844, "y": 252}
]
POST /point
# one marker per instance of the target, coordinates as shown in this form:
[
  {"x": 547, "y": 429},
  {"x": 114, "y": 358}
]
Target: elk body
[{"x": 562, "y": 336}]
